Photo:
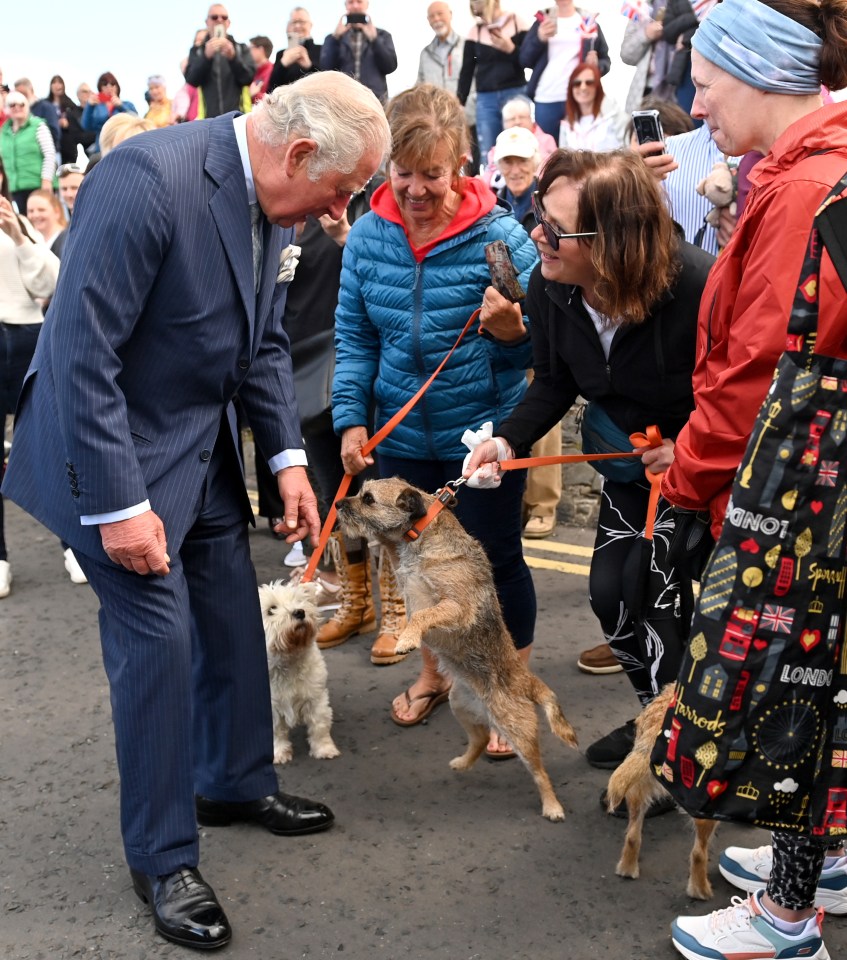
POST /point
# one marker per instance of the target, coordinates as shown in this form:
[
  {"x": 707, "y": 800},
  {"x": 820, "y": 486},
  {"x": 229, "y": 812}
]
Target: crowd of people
[{"x": 375, "y": 213}]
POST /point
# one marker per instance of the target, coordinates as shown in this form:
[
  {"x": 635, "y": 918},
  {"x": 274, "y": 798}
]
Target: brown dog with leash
[{"x": 452, "y": 606}]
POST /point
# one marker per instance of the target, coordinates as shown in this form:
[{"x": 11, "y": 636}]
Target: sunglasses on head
[{"x": 550, "y": 235}]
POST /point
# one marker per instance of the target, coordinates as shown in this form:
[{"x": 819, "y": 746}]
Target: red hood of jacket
[{"x": 477, "y": 200}]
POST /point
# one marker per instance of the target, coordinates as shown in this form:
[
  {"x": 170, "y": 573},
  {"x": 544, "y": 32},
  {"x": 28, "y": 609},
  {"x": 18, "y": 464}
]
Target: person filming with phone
[
  {"x": 300, "y": 56},
  {"x": 360, "y": 49},
  {"x": 220, "y": 68}
]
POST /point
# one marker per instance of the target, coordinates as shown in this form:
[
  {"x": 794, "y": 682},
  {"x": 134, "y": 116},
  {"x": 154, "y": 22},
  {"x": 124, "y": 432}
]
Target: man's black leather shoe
[
  {"x": 280, "y": 813},
  {"x": 185, "y": 908}
]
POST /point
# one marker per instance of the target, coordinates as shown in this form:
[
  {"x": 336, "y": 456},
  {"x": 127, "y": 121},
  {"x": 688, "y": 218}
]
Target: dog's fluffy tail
[
  {"x": 634, "y": 773},
  {"x": 549, "y": 703}
]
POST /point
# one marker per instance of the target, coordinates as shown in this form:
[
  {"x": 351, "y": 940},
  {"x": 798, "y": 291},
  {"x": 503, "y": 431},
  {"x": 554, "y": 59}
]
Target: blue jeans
[
  {"x": 548, "y": 116},
  {"x": 500, "y": 538},
  {"x": 489, "y": 116}
]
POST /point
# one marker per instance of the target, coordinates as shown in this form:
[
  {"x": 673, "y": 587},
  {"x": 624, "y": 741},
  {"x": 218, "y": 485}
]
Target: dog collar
[{"x": 444, "y": 497}]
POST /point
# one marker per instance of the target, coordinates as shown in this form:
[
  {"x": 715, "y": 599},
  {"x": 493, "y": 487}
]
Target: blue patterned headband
[{"x": 761, "y": 47}]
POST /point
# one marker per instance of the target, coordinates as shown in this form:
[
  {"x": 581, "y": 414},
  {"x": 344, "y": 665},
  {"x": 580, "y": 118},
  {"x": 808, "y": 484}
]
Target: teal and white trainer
[
  {"x": 749, "y": 868},
  {"x": 742, "y": 930}
]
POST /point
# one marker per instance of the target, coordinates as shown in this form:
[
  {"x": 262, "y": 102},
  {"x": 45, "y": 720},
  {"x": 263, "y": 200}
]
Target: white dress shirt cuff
[
  {"x": 288, "y": 458},
  {"x": 127, "y": 513}
]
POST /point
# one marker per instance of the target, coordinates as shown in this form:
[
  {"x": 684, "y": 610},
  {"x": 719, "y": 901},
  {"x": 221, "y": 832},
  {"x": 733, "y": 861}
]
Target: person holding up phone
[
  {"x": 103, "y": 105},
  {"x": 300, "y": 56},
  {"x": 562, "y": 37},
  {"x": 491, "y": 59},
  {"x": 220, "y": 68},
  {"x": 360, "y": 49}
]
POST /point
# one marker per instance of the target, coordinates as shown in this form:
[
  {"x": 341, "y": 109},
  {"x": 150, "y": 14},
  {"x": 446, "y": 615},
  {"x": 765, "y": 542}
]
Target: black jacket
[
  {"x": 282, "y": 75},
  {"x": 221, "y": 81},
  {"x": 647, "y": 378}
]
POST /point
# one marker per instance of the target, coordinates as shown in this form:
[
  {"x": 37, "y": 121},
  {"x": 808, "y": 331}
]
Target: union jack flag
[
  {"x": 636, "y": 9},
  {"x": 828, "y": 473},
  {"x": 588, "y": 29},
  {"x": 777, "y": 618},
  {"x": 839, "y": 758}
]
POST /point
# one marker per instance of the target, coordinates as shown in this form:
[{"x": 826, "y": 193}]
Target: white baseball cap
[{"x": 515, "y": 142}]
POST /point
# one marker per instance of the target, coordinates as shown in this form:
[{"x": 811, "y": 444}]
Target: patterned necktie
[{"x": 255, "y": 217}]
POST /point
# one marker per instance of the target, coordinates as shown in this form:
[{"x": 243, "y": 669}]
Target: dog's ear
[{"x": 410, "y": 501}]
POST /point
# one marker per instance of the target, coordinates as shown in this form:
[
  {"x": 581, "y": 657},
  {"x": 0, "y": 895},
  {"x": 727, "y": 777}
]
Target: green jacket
[{"x": 22, "y": 156}]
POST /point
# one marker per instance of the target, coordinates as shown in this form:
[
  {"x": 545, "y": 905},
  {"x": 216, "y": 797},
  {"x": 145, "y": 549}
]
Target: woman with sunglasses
[
  {"x": 103, "y": 105},
  {"x": 613, "y": 316},
  {"x": 592, "y": 120}
]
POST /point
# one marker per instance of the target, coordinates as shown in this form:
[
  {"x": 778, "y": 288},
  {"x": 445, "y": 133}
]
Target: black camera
[
  {"x": 4, "y": 87},
  {"x": 357, "y": 18}
]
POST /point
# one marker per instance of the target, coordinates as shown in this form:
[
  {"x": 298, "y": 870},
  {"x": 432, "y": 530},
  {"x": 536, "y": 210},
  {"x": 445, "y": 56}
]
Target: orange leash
[
  {"x": 650, "y": 439},
  {"x": 371, "y": 444}
]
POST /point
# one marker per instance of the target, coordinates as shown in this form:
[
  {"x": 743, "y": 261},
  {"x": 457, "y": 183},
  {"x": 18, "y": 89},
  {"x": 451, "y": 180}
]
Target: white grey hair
[
  {"x": 522, "y": 101},
  {"x": 342, "y": 116}
]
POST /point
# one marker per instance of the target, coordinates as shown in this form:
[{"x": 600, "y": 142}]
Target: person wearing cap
[
  {"x": 518, "y": 112},
  {"x": 517, "y": 158},
  {"x": 70, "y": 179},
  {"x": 592, "y": 120},
  {"x": 160, "y": 113},
  {"x": 28, "y": 151}
]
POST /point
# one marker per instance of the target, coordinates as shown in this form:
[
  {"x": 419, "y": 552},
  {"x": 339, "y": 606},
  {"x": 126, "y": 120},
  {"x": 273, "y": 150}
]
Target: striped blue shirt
[{"x": 696, "y": 153}]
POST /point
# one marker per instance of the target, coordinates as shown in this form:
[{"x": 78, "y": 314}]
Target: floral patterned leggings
[{"x": 797, "y": 864}]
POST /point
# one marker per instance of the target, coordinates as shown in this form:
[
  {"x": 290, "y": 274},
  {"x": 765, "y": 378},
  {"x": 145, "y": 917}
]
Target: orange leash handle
[
  {"x": 650, "y": 439},
  {"x": 371, "y": 445}
]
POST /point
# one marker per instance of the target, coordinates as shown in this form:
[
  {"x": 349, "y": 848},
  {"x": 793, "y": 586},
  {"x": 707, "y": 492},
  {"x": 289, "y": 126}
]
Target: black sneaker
[{"x": 610, "y": 751}]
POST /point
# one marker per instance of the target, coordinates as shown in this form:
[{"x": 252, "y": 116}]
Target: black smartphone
[
  {"x": 357, "y": 18},
  {"x": 648, "y": 127}
]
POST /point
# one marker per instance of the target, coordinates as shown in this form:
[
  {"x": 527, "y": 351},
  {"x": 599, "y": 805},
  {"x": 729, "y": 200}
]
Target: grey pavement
[{"x": 422, "y": 862}]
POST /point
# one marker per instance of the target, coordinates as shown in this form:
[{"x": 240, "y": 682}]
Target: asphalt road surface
[{"x": 421, "y": 863}]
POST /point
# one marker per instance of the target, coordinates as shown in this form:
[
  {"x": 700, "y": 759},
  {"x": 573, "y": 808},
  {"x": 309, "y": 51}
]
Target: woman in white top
[
  {"x": 562, "y": 37},
  {"x": 28, "y": 271},
  {"x": 592, "y": 121}
]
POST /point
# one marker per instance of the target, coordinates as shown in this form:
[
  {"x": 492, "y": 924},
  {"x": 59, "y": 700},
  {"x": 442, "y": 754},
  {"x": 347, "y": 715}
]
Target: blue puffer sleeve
[{"x": 357, "y": 342}]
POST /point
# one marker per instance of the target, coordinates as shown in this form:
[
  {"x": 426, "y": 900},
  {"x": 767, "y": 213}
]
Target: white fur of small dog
[{"x": 297, "y": 669}]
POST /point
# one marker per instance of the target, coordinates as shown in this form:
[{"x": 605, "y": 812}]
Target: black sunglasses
[
  {"x": 219, "y": 16},
  {"x": 550, "y": 234}
]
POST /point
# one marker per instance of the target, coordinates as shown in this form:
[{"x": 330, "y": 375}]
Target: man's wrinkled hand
[
  {"x": 300, "y": 506},
  {"x": 138, "y": 544}
]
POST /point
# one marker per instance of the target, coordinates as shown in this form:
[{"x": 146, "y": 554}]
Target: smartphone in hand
[{"x": 648, "y": 128}]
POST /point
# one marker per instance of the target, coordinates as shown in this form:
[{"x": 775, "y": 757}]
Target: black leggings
[
  {"x": 797, "y": 864},
  {"x": 649, "y": 648}
]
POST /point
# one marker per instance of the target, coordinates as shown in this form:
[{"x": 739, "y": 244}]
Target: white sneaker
[
  {"x": 5, "y": 579},
  {"x": 295, "y": 556},
  {"x": 750, "y": 869},
  {"x": 742, "y": 930},
  {"x": 73, "y": 568}
]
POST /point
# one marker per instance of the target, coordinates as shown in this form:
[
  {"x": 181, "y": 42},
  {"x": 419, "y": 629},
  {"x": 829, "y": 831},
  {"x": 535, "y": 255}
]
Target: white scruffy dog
[{"x": 297, "y": 670}]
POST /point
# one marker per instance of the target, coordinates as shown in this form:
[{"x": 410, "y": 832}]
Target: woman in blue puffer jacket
[{"x": 414, "y": 270}]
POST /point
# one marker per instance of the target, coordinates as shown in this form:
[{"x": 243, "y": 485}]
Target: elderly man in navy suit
[{"x": 170, "y": 302}]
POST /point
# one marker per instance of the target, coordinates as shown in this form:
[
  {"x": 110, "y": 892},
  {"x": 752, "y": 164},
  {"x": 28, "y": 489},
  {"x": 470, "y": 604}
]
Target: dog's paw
[
  {"x": 283, "y": 753},
  {"x": 325, "y": 750},
  {"x": 553, "y": 811},
  {"x": 697, "y": 892},
  {"x": 407, "y": 641},
  {"x": 461, "y": 763},
  {"x": 626, "y": 870}
]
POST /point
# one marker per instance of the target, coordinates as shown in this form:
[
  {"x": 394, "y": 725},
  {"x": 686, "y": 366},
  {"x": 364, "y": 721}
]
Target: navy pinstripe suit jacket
[{"x": 154, "y": 327}]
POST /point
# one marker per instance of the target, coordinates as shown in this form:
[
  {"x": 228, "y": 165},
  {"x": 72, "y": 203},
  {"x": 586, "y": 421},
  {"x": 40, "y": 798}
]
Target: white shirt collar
[{"x": 239, "y": 125}]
